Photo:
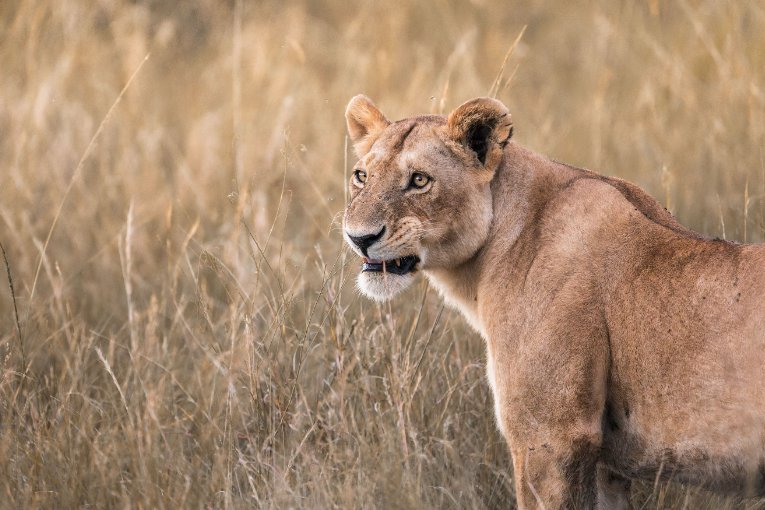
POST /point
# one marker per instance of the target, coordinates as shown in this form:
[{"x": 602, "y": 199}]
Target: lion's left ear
[{"x": 483, "y": 126}]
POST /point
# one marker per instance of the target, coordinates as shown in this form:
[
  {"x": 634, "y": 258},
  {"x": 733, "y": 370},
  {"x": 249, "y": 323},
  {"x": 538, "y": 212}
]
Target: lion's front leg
[
  {"x": 550, "y": 392},
  {"x": 557, "y": 476}
]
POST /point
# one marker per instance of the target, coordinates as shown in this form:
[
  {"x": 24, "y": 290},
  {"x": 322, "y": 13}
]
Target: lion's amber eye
[
  {"x": 419, "y": 180},
  {"x": 359, "y": 177}
]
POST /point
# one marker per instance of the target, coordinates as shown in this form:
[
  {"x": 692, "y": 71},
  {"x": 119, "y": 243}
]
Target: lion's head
[{"x": 419, "y": 194}]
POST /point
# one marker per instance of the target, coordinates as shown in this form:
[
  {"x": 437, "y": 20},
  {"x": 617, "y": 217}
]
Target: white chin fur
[{"x": 383, "y": 286}]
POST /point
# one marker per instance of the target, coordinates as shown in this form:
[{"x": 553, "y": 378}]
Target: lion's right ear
[
  {"x": 365, "y": 123},
  {"x": 483, "y": 126}
]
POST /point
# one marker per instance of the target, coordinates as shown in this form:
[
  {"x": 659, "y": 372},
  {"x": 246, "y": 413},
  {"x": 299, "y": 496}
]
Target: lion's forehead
[
  {"x": 421, "y": 153},
  {"x": 424, "y": 153}
]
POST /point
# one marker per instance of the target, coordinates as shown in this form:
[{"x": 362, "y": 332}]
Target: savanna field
[{"x": 183, "y": 328}]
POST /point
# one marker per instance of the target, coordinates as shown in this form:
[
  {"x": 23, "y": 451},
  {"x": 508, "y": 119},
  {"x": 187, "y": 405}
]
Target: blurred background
[{"x": 183, "y": 328}]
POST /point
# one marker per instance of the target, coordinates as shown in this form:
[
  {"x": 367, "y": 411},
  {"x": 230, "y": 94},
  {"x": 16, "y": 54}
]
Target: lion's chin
[{"x": 383, "y": 286}]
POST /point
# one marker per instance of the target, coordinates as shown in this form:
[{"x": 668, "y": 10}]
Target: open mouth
[{"x": 399, "y": 266}]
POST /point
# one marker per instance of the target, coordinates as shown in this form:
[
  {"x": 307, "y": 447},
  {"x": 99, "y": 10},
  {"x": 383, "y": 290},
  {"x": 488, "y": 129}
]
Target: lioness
[{"x": 620, "y": 344}]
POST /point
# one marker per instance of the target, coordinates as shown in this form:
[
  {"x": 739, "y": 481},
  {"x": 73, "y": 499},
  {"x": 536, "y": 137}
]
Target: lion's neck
[
  {"x": 513, "y": 201},
  {"x": 459, "y": 290}
]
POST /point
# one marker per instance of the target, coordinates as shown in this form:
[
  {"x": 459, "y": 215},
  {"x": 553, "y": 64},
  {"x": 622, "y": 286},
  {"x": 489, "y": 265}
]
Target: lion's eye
[
  {"x": 419, "y": 180},
  {"x": 359, "y": 178}
]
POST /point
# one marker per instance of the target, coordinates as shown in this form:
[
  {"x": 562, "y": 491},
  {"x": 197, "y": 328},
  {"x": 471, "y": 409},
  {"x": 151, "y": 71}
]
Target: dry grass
[{"x": 190, "y": 335}]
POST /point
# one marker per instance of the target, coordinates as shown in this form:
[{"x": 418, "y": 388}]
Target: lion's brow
[{"x": 400, "y": 143}]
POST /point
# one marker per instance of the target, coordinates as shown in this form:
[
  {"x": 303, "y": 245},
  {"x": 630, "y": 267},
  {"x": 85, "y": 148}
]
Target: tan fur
[{"x": 620, "y": 343}]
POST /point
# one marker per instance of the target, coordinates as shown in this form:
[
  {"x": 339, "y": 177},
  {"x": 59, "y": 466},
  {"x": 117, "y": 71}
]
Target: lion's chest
[
  {"x": 491, "y": 376},
  {"x": 469, "y": 310}
]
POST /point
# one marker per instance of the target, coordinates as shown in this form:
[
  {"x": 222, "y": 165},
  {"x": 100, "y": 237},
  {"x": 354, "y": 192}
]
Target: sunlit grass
[{"x": 193, "y": 336}]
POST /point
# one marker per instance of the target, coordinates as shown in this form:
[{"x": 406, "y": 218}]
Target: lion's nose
[{"x": 364, "y": 242}]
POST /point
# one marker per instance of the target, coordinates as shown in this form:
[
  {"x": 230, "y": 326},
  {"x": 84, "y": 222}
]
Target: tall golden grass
[{"x": 172, "y": 177}]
